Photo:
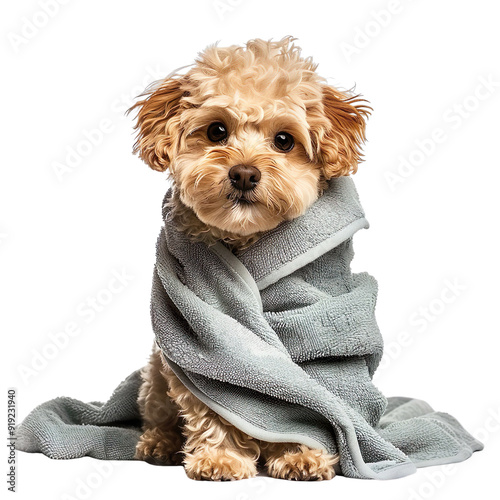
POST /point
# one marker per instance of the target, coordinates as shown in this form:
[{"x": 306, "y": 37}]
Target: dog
[{"x": 249, "y": 136}]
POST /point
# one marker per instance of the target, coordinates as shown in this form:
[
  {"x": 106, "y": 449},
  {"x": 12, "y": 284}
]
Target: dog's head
[{"x": 249, "y": 134}]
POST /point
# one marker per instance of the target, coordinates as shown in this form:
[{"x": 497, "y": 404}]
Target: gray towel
[
  {"x": 282, "y": 342},
  {"x": 67, "y": 428}
]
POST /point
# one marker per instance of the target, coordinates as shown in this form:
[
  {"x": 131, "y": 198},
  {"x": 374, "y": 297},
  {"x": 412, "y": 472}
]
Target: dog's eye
[
  {"x": 217, "y": 132},
  {"x": 284, "y": 141}
]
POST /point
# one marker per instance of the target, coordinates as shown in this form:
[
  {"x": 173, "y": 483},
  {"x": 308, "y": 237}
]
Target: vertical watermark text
[{"x": 11, "y": 441}]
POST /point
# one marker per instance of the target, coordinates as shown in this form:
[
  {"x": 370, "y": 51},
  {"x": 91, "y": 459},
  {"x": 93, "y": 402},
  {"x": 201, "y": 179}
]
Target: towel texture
[
  {"x": 281, "y": 340},
  {"x": 67, "y": 428}
]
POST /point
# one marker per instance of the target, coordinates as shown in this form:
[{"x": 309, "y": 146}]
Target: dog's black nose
[{"x": 244, "y": 177}]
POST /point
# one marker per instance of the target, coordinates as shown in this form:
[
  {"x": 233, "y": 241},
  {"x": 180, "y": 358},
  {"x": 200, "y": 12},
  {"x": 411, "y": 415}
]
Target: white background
[{"x": 421, "y": 64}]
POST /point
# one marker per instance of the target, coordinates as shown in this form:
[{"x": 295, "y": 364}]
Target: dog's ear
[
  {"x": 158, "y": 123},
  {"x": 337, "y": 137}
]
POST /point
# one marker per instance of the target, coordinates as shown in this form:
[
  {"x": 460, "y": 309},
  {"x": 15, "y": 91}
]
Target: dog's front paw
[
  {"x": 159, "y": 447},
  {"x": 302, "y": 463},
  {"x": 218, "y": 464}
]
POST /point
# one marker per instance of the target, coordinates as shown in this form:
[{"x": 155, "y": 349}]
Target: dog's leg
[
  {"x": 161, "y": 441},
  {"x": 214, "y": 449},
  {"x": 297, "y": 461}
]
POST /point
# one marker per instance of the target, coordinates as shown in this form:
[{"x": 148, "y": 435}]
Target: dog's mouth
[{"x": 239, "y": 199}]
